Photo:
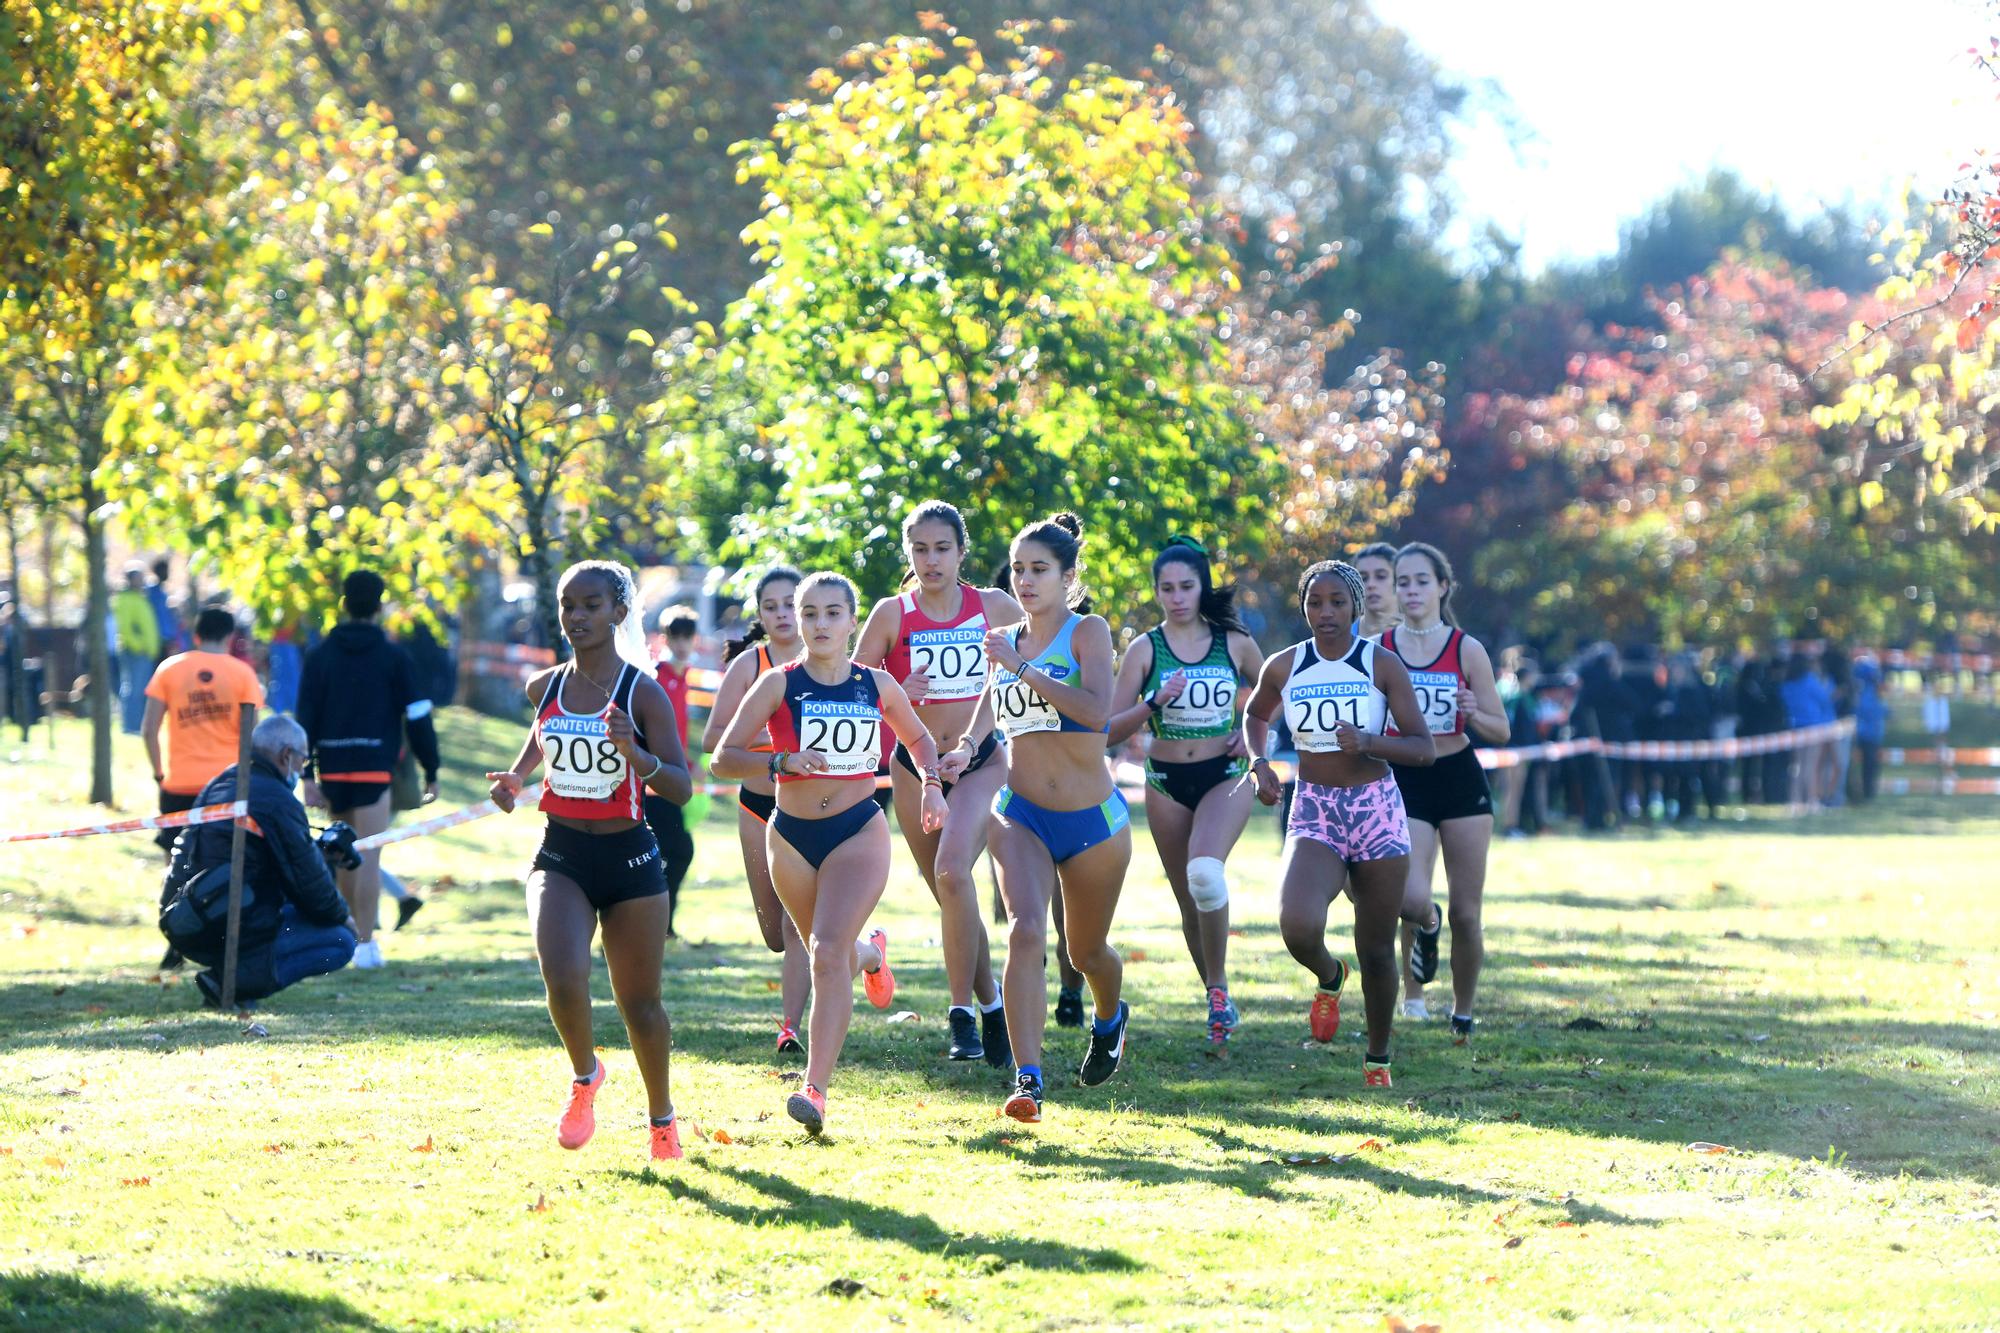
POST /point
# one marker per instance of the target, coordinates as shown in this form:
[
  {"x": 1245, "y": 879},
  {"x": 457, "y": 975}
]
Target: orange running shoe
[
  {"x": 1374, "y": 1075},
  {"x": 788, "y": 1039},
  {"x": 1324, "y": 1019},
  {"x": 808, "y": 1107},
  {"x": 579, "y": 1118},
  {"x": 667, "y": 1142},
  {"x": 881, "y": 983}
]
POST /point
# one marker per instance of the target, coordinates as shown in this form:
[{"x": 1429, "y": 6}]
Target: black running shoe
[
  {"x": 993, "y": 1035},
  {"x": 1101, "y": 1061},
  {"x": 171, "y": 959},
  {"x": 1069, "y": 1007},
  {"x": 1461, "y": 1030},
  {"x": 1424, "y": 951},
  {"x": 965, "y": 1043},
  {"x": 210, "y": 988},
  {"x": 1025, "y": 1104},
  {"x": 406, "y": 909}
]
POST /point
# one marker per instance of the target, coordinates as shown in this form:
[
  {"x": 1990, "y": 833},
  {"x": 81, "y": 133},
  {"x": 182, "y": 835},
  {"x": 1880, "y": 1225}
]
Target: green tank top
[{"x": 1207, "y": 707}]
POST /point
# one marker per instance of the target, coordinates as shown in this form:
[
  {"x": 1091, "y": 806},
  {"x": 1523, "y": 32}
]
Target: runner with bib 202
[
  {"x": 1347, "y": 829},
  {"x": 606, "y": 731}
]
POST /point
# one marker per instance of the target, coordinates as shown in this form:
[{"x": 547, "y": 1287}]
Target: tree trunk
[
  {"x": 98, "y": 652},
  {"x": 17, "y": 640}
]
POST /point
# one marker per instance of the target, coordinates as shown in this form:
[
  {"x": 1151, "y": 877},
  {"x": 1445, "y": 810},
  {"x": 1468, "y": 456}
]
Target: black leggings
[{"x": 669, "y": 824}]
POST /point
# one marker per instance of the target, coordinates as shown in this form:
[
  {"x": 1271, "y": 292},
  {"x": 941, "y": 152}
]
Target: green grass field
[{"x": 1817, "y": 999}]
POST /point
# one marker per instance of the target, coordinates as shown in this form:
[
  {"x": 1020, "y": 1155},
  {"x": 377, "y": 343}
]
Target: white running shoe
[
  {"x": 368, "y": 955},
  {"x": 1416, "y": 1009}
]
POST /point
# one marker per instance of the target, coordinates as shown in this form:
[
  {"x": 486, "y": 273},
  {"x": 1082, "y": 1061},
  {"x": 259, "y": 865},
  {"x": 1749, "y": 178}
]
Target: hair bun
[{"x": 1068, "y": 522}]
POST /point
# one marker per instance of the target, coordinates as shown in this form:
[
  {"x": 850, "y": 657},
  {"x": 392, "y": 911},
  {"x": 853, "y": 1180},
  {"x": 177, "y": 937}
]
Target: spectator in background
[
  {"x": 1760, "y": 712},
  {"x": 173, "y": 638},
  {"x": 1871, "y": 724},
  {"x": 294, "y": 924},
  {"x": 1600, "y": 712},
  {"x": 1937, "y": 710},
  {"x": 668, "y": 820},
  {"x": 1521, "y": 809},
  {"x": 357, "y": 698},
  {"x": 286, "y": 665},
  {"x": 1839, "y": 751},
  {"x": 1690, "y": 717},
  {"x": 1808, "y": 702},
  {"x": 192, "y": 725},
  {"x": 137, "y": 635}
]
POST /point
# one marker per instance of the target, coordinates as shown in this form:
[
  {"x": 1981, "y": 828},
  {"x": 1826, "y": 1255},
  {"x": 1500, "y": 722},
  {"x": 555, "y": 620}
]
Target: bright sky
[{"x": 1817, "y": 101}]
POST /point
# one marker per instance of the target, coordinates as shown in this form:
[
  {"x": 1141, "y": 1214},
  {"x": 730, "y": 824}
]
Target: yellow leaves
[
  {"x": 541, "y": 229},
  {"x": 640, "y": 336},
  {"x": 1870, "y": 494}
]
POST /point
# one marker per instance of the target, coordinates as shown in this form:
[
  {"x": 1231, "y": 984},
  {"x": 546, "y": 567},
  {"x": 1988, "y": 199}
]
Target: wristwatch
[{"x": 1153, "y": 704}]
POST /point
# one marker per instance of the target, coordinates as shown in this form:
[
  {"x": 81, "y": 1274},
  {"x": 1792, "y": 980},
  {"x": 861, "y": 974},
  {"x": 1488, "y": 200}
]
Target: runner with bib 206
[
  {"x": 1347, "y": 830},
  {"x": 828, "y": 841},
  {"x": 1182, "y": 680},
  {"x": 773, "y": 641},
  {"x": 1449, "y": 803},
  {"x": 606, "y": 731}
]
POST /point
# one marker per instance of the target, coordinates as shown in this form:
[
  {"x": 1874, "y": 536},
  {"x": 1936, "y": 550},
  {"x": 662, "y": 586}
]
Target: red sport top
[
  {"x": 1437, "y": 685},
  {"x": 842, "y": 722},
  {"x": 675, "y": 682},
  {"x": 952, "y": 653},
  {"x": 587, "y": 777}
]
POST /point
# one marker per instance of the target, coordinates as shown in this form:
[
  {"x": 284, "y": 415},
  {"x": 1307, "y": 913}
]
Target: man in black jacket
[
  {"x": 294, "y": 923},
  {"x": 357, "y": 699}
]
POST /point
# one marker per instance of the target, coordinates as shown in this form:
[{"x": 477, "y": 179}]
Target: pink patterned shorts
[{"x": 1364, "y": 823}]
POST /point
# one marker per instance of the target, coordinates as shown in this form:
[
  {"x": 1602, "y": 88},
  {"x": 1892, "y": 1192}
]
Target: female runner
[
  {"x": 607, "y": 731},
  {"x": 1376, "y": 563},
  {"x": 1059, "y": 819},
  {"x": 932, "y": 639},
  {"x": 772, "y": 642},
  {"x": 828, "y": 840},
  {"x": 1449, "y": 803},
  {"x": 1182, "y": 680},
  {"x": 1347, "y": 829}
]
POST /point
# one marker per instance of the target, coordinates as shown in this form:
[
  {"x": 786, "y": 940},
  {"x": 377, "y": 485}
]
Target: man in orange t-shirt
[{"x": 194, "y": 704}]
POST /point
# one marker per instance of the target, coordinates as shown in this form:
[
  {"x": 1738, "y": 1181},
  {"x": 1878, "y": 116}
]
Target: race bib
[
  {"x": 583, "y": 763},
  {"x": 1019, "y": 710},
  {"x": 953, "y": 659},
  {"x": 848, "y": 734},
  {"x": 1207, "y": 704},
  {"x": 1437, "y": 699},
  {"x": 1313, "y": 711}
]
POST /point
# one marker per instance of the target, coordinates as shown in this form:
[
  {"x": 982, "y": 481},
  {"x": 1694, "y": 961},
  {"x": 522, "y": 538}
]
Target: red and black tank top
[
  {"x": 951, "y": 653},
  {"x": 842, "y": 722},
  {"x": 1436, "y": 684},
  {"x": 587, "y": 777}
]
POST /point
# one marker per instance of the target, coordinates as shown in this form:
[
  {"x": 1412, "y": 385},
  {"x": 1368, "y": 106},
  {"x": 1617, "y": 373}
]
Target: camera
[{"x": 336, "y": 844}]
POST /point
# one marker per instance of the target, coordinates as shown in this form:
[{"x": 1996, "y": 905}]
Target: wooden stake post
[{"x": 247, "y": 722}]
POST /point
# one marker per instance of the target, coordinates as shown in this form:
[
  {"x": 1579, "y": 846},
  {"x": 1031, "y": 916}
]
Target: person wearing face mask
[{"x": 294, "y": 923}]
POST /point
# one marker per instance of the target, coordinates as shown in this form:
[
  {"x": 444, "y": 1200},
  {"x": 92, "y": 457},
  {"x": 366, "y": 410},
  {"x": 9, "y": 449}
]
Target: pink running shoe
[
  {"x": 881, "y": 983},
  {"x": 579, "y": 1118},
  {"x": 808, "y": 1107},
  {"x": 667, "y": 1141}
]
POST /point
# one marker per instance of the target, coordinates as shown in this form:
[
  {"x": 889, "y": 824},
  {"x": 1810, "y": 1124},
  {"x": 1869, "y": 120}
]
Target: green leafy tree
[{"x": 993, "y": 284}]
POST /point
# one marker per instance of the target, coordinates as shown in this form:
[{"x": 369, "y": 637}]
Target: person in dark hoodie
[
  {"x": 294, "y": 924},
  {"x": 358, "y": 697}
]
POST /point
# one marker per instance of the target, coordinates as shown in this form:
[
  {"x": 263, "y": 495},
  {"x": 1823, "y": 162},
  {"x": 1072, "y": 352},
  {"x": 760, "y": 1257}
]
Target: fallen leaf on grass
[
  {"x": 770, "y": 985},
  {"x": 1560, "y": 1225},
  {"x": 274, "y": 1148},
  {"x": 844, "y": 1286},
  {"x": 1490, "y": 1279},
  {"x": 1370, "y": 1145},
  {"x": 6, "y": 1152},
  {"x": 1703, "y": 1147},
  {"x": 425, "y": 1146},
  {"x": 363, "y": 1086},
  {"x": 1511, "y": 1115},
  {"x": 93, "y": 1008},
  {"x": 1136, "y": 955},
  {"x": 540, "y": 1205},
  {"x": 1513, "y": 1243},
  {"x": 1396, "y": 1324},
  {"x": 53, "y": 1162},
  {"x": 135, "y": 1181},
  {"x": 721, "y": 1136},
  {"x": 906, "y": 1016},
  {"x": 1540, "y": 966}
]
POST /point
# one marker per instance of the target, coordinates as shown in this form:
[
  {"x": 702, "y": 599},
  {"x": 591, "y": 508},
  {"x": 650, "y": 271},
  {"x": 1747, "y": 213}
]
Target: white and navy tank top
[{"x": 1322, "y": 693}]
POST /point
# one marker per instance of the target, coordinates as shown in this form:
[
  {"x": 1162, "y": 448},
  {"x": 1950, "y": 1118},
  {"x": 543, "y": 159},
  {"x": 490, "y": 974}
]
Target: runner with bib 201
[
  {"x": 1059, "y": 819},
  {"x": 1450, "y": 805},
  {"x": 932, "y": 639},
  {"x": 828, "y": 840},
  {"x": 606, "y": 731},
  {"x": 1347, "y": 829},
  {"x": 1182, "y": 681}
]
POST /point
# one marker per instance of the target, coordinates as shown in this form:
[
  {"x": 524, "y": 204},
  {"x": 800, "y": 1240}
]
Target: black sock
[
  {"x": 1375, "y": 1059},
  {"x": 662, "y": 1121}
]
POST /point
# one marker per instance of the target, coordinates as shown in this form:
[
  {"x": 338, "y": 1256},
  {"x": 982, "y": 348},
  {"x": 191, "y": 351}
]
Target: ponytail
[{"x": 757, "y": 633}]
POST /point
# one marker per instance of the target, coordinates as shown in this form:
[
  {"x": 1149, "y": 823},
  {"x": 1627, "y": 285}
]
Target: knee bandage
[{"x": 1208, "y": 884}]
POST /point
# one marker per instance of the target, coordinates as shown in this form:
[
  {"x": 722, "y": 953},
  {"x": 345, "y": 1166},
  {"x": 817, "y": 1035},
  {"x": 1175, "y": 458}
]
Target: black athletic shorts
[
  {"x": 756, "y": 804},
  {"x": 979, "y": 758},
  {"x": 342, "y": 797},
  {"x": 609, "y": 868},
  {"x": 1452, "y": 788},
  {"x": 172, "y": 803},
  {"x": 1186, "y": 782}
]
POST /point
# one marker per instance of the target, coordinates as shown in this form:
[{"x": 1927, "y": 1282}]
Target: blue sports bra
[{"x": 1017, "y": 707}]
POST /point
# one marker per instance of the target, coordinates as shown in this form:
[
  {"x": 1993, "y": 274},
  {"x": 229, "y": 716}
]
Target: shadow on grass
[
  {"x": 792, "y": 1205},
  {"x": 62, "y": 1300}
]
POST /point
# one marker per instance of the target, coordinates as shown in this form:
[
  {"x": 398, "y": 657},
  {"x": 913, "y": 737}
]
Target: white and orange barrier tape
[
  {"x": 1945, "y": 757},
  {"x": 1735, "y": 747},
  {"x": 202, "y": 814},
  {"x": 423, "y": 828}
]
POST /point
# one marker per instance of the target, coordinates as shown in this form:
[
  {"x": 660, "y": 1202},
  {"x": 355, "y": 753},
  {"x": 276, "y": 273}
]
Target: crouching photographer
[{"x": 294, "y": 922}]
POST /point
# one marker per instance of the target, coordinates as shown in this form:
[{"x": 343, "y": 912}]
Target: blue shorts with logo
[{"x": 1066, "y": 833}]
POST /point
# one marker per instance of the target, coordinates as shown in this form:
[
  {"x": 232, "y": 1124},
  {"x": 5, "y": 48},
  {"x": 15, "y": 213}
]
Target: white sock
[
  {"x": 592, "y": 1074},
  {"x": 989, "y": 1008}
]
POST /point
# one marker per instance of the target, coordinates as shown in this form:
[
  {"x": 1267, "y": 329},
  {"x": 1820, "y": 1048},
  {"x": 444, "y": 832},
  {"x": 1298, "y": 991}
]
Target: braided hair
[{"x": 1340, "y": 569}]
